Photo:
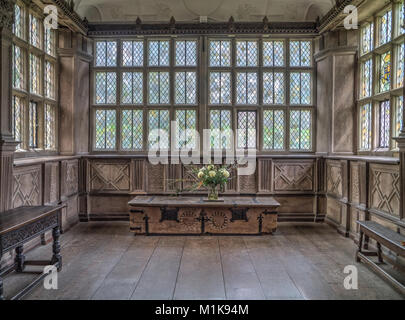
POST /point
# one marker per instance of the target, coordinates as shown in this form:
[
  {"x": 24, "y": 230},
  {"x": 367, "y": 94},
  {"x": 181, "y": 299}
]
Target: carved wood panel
[
  {"x": 27, "y": 186},
  {"x": 264, "y": 175},
  {"x": 69, "y": 177},
  {"x": 156, "y": 176},
  {"x": 355, "y": 182},
  {"x": 293, "y": 175},
  {"x": 138, "y": 175},
  {"x": 334, "y": 178},
  {"x": 385, "y": 188},
  {"x": 51, "y": 178},
  {"x": 110, "y": 176}
]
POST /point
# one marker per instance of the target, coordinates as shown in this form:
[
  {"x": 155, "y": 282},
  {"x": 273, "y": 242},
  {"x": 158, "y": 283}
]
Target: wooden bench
[
  {"x": 20, "y": 225},
  {"x": 384, "y": 237}
]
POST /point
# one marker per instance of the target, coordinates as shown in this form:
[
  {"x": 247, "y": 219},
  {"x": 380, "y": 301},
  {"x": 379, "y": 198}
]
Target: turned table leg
[
  {"x": 56, "y": 258},
  {"x": 360, "y": 246},
  {"x": 19, "y": 259}
]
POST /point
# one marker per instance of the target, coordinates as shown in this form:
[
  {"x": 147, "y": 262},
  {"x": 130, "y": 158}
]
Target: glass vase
[{"x": 213, "y": 193}]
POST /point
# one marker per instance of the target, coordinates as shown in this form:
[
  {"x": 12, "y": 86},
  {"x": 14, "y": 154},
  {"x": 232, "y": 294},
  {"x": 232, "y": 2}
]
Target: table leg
[
  {"x": 1, "y": 278},
  {"x": 379, "y": 252},
  {"x": 360, "y": 246},
  {"x": 56, "y": 258},
  {"x": 19, "y": 259}
]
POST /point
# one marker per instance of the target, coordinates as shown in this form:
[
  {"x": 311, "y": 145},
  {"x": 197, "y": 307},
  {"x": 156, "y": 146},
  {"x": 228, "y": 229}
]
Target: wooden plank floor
[{"x": 302, "y": 261}]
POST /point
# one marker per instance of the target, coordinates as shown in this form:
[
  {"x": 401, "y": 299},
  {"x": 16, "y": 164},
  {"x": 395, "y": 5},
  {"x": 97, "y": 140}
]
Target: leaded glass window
[
  {"x": 106, "y": 53},
  {"x": 33, "y": 125},
  {"x": 366, "y": 78},
  {"x": 18, "y": 120},
  {"x": 186, "y": 121},
  {"x": 400, "y": 66},
  {"x": 220, "y": 53},
  {"x": 19, "y": 21},
  {"x": 159, "y": 88},
  {"x": 273, "y": 53},
  {"x": 246, "y": 88},
  {"x": 49, "y": 80},
  {"x": 159, "y": 129},
  {"x": 185, "y": 88},
  {"x": 50, "y": 124},
  {"x": 384, "y": 124},
  {"x": 399, "y": 114},
  {"x": 273, "y": 129},
  {"x": 50, "y": 41},
  {"x": 18, "y": 67},
  {"x": 300, "y": 130},
  {"x": 35, "y": 74},
  {"x": 105, "y": 134},
  {"x": 273, "y": 88},
  {"x": 132, "y": 53},
  {"x": 401, "y": 13},
  {"x": 246, "y": 130},
  {"x": 367, "y": 38},
  {"x": 246, "y": 53},
  {"x": 35, "y": 31},
  {"x": 132, "y": 88},
  {"x": 385, "y": 71},
  {"x": 365, "y": 127},
  {"x": 300, "y": 53},
  {"x": 132, "y": 129},
  {"x": 159, "y": 53},
  {"x": 106, "y": 87},
  {"x": 221, "y": 129},
  {"x": 220, "y": 87},
  {"x": 300, "y": 88},
  {"x": 186, "y": 53},
  {"x": 385, "y": 28}
]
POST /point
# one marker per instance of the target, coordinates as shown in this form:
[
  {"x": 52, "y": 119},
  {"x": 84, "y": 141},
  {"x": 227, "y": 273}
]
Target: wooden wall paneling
[
  {"x": 264, "y": 173},
  {"x": 51, "y": 182},
  {"x": 138, "y": 176},
  {"x": 293, "y": 176},
  {"x": 111, "y": 176},
  {"x": 27, "y": 186}
]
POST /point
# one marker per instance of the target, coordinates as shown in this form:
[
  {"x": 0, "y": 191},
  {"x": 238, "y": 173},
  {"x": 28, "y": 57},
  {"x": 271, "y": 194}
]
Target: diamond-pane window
[
  {"x": 35, "y": 74},
  {"x": 221, "y": 129},
  {"x": 132, "y": 53},
  {"x": 300, "y": 53},
  {"x": 220, "y": 88},
  {"x": 273, "y": 129},
  {"x": 106, "y": 53},
  {"x": 246, "y": 131},
  {"x": 220, "y": 53},
  {"x": 106, "y": 87},
  {"x": 18, "y": 67},
  {"x": 186, "y": 121},
  {"x": 159, "y": 129},
  {"x": 33, "y": 125},
  {"x": 385, "y": 71},
  {"x": 273, "y": 88},
  {"x": 50, "y": 124},
  {"x": 105, "y": 126},
  {"x": 401, "y": 13},
  {"x": 49, "y": 80},
  {"x": 50, "y": 41},
  {"x": 365, "y": 127},
  {"x": 367, "y": 38},
  {"x": 246, "y": 88},
  {"x": 159, "y": 88},
  {"x": 385, "y": 28},
  {"x": 158, "y": 52},
  {"x": 399, "y": 115},
  {"x": 186, "y": 53},
  {"x": 273, "y": 53},
  {"x": 366, "y": 78},
  {"x": 384, "y": 124},
  {"x": 300, "y": 88},
  {"x": 132, "y": 88},
  {"x": 19, "y": 21},
  {"x": 35, "y": 31},
  {"x": 246, "y": 53},
  {"x": 300, "y": 130},
  {"x": 400, "y": 65},
  {"x": 18, "y": 120},
  {"x": 131, "y": 129},
  {"x": 185, "y": 88}
]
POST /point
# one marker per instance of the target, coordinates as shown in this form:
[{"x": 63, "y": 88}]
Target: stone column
[{"x": 7, "y": 143}]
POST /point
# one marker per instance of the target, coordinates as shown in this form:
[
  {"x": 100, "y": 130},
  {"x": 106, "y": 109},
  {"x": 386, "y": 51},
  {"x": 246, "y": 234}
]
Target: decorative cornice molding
[
  {"x": 333, "y": 13},
  {"x": 230, "y": 27},
  {"x": 67, "y": 10},
  {"x": 7, "y": 14}
]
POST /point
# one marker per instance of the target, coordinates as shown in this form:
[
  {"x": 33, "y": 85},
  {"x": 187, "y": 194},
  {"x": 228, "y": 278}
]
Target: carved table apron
[
  {"x": 20, "y": 225},
  {"x": 192, "y": 215}
]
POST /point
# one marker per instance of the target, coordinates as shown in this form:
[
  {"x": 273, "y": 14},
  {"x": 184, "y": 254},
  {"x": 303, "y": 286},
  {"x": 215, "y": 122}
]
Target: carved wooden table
[
  {"x": 192, "y": 215},
  {"x": 20, "y": 225}
]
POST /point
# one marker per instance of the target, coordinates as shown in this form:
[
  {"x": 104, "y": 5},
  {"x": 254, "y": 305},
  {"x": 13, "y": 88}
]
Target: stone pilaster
[{"x": 7, "y": 143}]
